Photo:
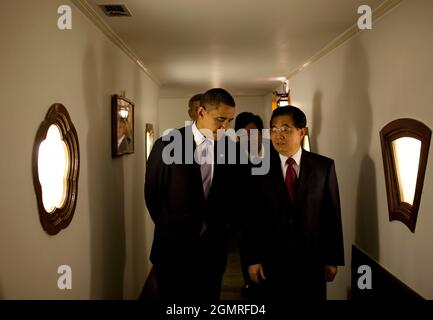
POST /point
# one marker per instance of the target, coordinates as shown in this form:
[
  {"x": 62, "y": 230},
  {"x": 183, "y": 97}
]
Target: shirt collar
[
  {"x": 198, "y": 136},
  {"x": 296, "y": 157}
]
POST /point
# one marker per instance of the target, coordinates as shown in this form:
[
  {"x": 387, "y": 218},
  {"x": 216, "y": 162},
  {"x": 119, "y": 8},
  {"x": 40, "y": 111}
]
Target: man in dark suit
[
  {"x": 187, "y": 192},
  {"x": 295, "y": 240}
]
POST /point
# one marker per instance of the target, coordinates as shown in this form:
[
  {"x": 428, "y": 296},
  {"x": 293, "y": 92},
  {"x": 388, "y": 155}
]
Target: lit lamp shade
[
  {"x": 53, "y": 166},
  {"x": 405, "y": 145},
  {"x": 406, "y": 152},
  {"x": 283, "y": 101}
]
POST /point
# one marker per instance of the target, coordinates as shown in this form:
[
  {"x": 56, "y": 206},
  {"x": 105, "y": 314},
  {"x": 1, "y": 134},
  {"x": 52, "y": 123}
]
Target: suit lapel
[
  {"x": 304, "y": 175},
  {"x": 195, "y": 167},
  {"x": 218, "y": 168},
  {"x": 278, "y": 183}
]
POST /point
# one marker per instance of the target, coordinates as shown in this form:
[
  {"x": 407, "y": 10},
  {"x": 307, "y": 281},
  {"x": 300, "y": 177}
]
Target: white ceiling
[{"x": 244, "y": 46}]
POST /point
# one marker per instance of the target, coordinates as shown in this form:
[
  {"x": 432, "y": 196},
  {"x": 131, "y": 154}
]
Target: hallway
[{"x": 140, "y": 70}]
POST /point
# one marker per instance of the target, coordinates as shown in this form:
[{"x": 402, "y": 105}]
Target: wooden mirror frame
[
  {"x": 398, "y": 210},
  {"x": 60, "y": 218}
]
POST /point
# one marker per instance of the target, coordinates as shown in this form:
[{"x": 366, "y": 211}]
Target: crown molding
[
  {"x": 87, "y": 9},
  {"x": 377, "y": 13}
]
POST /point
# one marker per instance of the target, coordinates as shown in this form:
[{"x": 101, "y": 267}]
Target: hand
[
  {"x": 330, "y": 271},
  {"x": 256, "y": 273}
]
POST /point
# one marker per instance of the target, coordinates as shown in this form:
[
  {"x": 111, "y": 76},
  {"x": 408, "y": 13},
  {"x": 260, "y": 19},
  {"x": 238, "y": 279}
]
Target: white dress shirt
[{"x": 199, "y": 138}]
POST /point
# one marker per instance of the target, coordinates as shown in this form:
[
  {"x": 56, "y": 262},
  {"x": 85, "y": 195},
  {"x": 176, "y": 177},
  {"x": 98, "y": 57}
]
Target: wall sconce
[
  {"x": 55, "y": 166},
  {"x": 281, "y": 99},
  {"x": 150, "y": 136},
  {"x": 405, "y": 145}
]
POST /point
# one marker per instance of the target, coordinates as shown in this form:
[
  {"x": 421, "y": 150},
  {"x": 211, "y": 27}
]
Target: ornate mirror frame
[{"x": 59, "y": 218}]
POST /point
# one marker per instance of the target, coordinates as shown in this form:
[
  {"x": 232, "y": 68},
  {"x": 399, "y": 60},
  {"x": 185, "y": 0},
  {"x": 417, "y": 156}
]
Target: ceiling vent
[{"x": 115, "y": 10}]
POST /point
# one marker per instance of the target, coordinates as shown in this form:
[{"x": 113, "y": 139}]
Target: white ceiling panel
[{"x": 241, "y": 45}]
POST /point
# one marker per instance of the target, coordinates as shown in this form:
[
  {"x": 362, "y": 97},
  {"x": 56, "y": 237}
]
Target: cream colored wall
[
  {"x": 173, "y": 112},
  {"x": 349, "y": 96},
  {"x": 250, "y": 104},
  {"x": 267, "y": 105},
  {"x": 108, "y": 241}
]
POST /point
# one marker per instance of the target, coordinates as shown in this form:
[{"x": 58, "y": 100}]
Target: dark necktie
[
  {"x": 206, "y": 172},
  {"x": 206, "y": 167},
  {"x": 291, "y": 180}
]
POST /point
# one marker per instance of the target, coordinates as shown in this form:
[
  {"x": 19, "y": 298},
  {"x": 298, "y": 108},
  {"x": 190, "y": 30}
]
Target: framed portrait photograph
[
  {"x": 150, "y": 136},
  {"x": 122, "y": 114}
]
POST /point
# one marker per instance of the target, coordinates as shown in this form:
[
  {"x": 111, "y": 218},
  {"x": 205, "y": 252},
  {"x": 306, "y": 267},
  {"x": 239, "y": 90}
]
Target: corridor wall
[{"x": 108, "y": 241}]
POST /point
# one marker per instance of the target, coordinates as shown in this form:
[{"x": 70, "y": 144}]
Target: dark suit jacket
[
  {"x": 300, "y": 239},
  {"x": 175, "y": 199}
]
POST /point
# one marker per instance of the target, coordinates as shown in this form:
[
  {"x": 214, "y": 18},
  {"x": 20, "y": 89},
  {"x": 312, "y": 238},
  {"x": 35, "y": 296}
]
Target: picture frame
[
  {"x": 149, "y": 139},
  {"x": 122, "y": 115}
]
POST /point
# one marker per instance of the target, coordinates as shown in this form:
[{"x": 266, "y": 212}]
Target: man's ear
[
  {"x": 190, "y": 113},
  {"x": 303, "y": 132},
  {"x": 201, "y": 111}
]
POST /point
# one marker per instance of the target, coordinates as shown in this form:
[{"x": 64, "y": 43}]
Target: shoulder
[
  {"x": 171, "y": 134},
  {"x": 315, "y": 159}
]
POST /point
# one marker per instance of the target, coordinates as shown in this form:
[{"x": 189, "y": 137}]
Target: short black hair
[
  {"x": 194, "y": 98},
  {"x": 244, "y": 118},
  {"x": 298, "y": 117},
  {"x": 213, "y": 97}
]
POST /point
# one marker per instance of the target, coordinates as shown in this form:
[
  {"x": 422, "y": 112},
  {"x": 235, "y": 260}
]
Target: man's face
[
  {"x": 193, "y": 111},
  {"x": 219, "y": 118},
  {"x": 286, "y": 139}
]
